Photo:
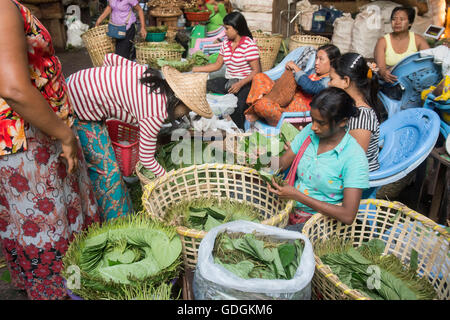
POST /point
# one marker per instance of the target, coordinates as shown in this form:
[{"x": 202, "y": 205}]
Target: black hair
[
  {"x": 152, "y": 78},
  {"x": 410, "y": 12},
  {"x": 354, "y": 66},
  {"x": 335, "y": 105},
  {"x": 238, "y": 22},
  {"x": 331, "y": 50}
]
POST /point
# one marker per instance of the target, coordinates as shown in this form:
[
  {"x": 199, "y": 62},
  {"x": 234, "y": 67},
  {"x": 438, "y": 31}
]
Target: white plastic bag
[
  {"x": 75, "y": 28},
  {"x": 214, "y": 282},
  {"x": 222, "y": 105},
  {"x": 367, "y": 29},
  {"x": 342, "y": 33}
]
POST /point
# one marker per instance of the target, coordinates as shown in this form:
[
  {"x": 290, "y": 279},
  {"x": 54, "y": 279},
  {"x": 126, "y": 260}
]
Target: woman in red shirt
[{"x": 241, "y": 56}]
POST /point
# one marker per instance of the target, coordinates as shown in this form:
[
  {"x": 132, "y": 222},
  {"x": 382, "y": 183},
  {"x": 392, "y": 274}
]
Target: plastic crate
[{"x": 127, "y": 155}]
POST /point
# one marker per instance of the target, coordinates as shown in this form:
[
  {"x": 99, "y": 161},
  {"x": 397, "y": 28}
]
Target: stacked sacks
[{"x": 257, "y": 13}]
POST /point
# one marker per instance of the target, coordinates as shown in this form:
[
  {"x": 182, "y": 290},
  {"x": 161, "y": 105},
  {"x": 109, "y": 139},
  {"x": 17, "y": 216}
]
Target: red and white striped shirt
[
  {"x": 114, "y": 91},
  {"x": 237, "y": 61}
]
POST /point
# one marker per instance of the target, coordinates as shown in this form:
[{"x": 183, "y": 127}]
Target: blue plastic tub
[{"x": 155, "y": 37}]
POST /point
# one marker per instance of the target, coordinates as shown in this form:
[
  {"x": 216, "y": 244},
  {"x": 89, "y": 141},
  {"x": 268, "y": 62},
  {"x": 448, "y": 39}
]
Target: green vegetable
[
  {"x": 375, "y": 275},
  {"x": 159, "y": 29},
  {"x": 256, "y": 256},
  {"x": 123, "y": 256}
]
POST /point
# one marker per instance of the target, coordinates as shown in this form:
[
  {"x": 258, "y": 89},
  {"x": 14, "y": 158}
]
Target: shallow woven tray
[
  {"x": 157, "y": 50},
  {"x": 98, "y": 44},
  {"x": 217, "y": 180},
  {"x": 401, "y": 228},
  {"x": 269, "y": 45},
  {"x": 299, "y": 40}
]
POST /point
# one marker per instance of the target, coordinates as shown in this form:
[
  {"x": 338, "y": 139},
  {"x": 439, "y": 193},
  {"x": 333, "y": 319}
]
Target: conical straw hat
[{"x": 189, "y": 88}]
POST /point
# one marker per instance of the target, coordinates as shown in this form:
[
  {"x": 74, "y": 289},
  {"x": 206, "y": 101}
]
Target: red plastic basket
[{"x": 126, "y": 155}]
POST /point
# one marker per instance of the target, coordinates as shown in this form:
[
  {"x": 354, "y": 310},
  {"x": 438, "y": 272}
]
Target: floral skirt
[
  {"x": 109, "y": 188},
  {"x": 42, "y": 207},
  {"x": 270, "y": 110}
]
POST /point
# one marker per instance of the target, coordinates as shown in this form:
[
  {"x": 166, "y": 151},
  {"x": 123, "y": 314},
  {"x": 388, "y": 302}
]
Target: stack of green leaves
[
  {"x": 378, "y": 276},
  {"x": 256, "y": 256},
  {"x": 199, "y": 58},
  {"x": 123, "y": 257},
  {"x": 206, "y": 213}
]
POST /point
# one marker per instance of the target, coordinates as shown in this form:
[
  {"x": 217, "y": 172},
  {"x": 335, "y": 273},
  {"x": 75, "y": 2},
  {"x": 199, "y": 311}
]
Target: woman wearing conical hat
[{"x": 130, "y": 92}]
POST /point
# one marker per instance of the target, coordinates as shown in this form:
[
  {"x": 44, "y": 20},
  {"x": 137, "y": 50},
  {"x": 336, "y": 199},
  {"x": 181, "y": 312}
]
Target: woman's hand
[
  {"x": 70, "y": 152},
  {"x": 143, "y": 32},
  {"x": 235, "y": 88},
  {"x": 283, "y": 192},
  {"x": 388, "y": 76},
  {"x": 290, "y": 65}
]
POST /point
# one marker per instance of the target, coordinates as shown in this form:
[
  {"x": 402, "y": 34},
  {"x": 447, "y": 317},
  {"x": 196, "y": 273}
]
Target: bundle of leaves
[
  {"x": 206, "y": 213},
  {"x": 391, "y": 280},
  {"x": 157, "y": 29},
  {"x": 257, "y": 256},
  {"x": 125, "y": 257},
  {"x": 199, "y": 58}
]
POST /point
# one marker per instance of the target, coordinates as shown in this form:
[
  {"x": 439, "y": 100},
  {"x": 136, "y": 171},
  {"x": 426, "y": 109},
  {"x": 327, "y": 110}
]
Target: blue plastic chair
[
  {"x": 443, "y": 106},
  {"x": 414, "y": 74},
  {"x": 406, "y": 138}
]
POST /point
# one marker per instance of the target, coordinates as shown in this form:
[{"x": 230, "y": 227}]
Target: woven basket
[
  {"x": 401, "y": 228},
  {"x": 157, "y": 50},
  {"x": 269, "y": 45},
  {"x": 142, "y": 179},
  {"x": 217, "y": 180},
  {"x": 98, "y": 44},
  {"x": 166, "y": 12},
  {"x": 299, "y": 40}
]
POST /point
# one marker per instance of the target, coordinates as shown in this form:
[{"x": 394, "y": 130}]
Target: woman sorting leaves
[
  {"x": 241, "y": 57},
  {"x": 333, "y": 167},
  {"x": 121, "y": 12},
  {"x": 46, "y": 197},
  {"x": 293, "y": 92},
  {"x": 132, "y": 93}
]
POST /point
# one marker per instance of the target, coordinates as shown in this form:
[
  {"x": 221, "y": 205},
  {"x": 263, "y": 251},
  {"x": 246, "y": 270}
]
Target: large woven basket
[
  {"x": 401, "y": 228},
  {"x": 301, "y": 40},
  {"x": 222, "y": 181},
  {"x": 157, "y": 50},
  {"x": 98, "y": 44},
  {"x": 269, "y": 45}
]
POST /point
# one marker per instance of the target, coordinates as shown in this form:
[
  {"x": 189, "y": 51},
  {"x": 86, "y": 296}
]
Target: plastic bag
[
  {"x": 342, "y": 33},
  {"x": 75, "y": 28},
  {"x": 222, "y": 105},
  {"x": 367, "y": 29},
  {"x": 214, "y": 282}
]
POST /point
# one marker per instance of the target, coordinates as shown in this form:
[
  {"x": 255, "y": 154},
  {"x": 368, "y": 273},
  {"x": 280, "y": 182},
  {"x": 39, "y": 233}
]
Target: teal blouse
[{"x": 324, "y": 177}]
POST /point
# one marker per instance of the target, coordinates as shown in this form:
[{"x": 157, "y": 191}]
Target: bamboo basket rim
[
  {"x": 159, "y": 46},
  {"x": 198, "y": 234},
  {"x": 326, "y": 271}
]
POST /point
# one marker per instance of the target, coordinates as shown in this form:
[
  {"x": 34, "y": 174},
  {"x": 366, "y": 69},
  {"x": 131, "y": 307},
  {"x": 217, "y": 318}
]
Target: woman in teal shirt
[{"x": 333, "y": 168}]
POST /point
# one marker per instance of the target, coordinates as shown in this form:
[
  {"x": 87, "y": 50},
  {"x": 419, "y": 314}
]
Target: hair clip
[{"x": 356, "y": 60}]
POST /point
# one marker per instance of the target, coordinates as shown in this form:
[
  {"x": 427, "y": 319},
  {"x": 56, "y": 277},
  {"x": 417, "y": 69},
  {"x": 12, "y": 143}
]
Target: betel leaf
[
  {"x": 287, "y": 253},
  {"x": 289, "y": 131},
  {"x": 414, "y": 260},
  {"x": 217, "y": 213},
  {"x": 241, "y": 269},
  {"x": 211, "y": 223},
  {"x": 279, "y": 268}
]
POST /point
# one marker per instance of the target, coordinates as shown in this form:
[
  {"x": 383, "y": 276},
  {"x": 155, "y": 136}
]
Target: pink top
[{"x": 120, "y": 9}]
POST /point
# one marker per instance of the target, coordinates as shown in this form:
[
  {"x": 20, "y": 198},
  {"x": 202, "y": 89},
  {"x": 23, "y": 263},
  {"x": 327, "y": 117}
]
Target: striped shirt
[
  {"x": 237, "y": 61},
  {"x": 367, "y": 120},
  {"x": 114, "y": 91}
]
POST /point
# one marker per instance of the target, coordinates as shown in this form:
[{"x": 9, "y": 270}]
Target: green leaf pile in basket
[
  {"x": 157, "y": 29},
  {"x": 206, "y": 213},
  {"x": 378, "y": 276},
  {"x": 249, "y": 255},
  {"x": 125, "y": 258},
  {"x": 274, "y": 144},
  {"x": 199, "y": 58}
]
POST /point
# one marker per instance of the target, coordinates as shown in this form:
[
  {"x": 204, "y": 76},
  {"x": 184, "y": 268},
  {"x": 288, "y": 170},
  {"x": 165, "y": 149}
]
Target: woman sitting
[
  {"x": 296, "y": 88},
  {"x": 398, "y": 44},
  {"x": 241, "y": 57},
  {"x": 333, "y": 167},
  {"x": 351, "y": 73},
  {"x": 130, "y": 92}
]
